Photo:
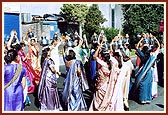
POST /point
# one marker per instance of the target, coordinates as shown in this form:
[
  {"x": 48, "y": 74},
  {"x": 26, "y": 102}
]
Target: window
[{"x": 113, "y": 17}]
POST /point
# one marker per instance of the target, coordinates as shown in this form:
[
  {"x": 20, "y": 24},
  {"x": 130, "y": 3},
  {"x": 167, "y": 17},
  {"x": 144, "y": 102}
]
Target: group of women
[
  {"x": 21, "y": 66},
  {"x": 108, "y": 76}
]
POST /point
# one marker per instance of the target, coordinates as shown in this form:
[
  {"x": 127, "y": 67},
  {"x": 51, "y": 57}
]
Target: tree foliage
[
  {"x": 74, "y": 12},
  {"x": 94, "y": 18},
  {"x": 142, "y": 17},
  {"x": 110, "y": 33}
]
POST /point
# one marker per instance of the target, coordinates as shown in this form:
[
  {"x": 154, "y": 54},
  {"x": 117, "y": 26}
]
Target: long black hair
[
  {"x": 17, "y": 47},
  {"x": 118, "y": 58},
  {"x": 44, "y": 55},
  {"x": 71, "y": 55},
  {"x": 125, "y": 57},
  {"x": 146, "y": 51},
  {"x": 55, "y": 39},
  {"x": 106, "y": 58}
]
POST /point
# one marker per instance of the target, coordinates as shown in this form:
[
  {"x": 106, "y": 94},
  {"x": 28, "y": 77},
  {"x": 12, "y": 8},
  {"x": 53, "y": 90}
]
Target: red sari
[{"x": 30, "y": 73}]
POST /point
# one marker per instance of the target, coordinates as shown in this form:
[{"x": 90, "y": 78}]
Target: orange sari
[{"x": 33, "y": 56}]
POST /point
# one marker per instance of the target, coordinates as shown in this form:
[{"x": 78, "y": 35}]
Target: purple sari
[
  {"x": 47, "y": 92},
  {"x": 13, "y": 95}
]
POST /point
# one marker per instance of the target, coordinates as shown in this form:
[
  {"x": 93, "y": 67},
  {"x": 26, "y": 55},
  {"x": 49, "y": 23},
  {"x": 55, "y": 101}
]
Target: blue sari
[
  {"x": 143, "y": 82},
  {"x": 74, "y": 85},
  {"x": 13, "y": 94},
  {"x": 93, "y": 65}
]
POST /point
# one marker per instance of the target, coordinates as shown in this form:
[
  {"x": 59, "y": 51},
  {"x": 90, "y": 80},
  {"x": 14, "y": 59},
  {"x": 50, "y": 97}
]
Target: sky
[
  {"x": 35, "y": 8},
  {"x": 40, "y": 9}
]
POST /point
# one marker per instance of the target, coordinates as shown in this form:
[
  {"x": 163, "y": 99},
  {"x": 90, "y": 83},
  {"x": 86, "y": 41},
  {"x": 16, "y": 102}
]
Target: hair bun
[{"x": 11, "y": 56}]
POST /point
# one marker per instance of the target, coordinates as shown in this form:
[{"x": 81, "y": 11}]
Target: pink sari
[
  {"x": 29, "y": 71},
  {"x": 109, "y": 93}
]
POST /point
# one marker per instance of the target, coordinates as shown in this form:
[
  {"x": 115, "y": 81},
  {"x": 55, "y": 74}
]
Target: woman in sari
[
  {"x": 30, "y": 73},
  {"x": 14, "y": 83},
  {"x": 48, "y": 92},
  {"x": 143, "y": 83},
  {"x": 109, "y": 86},
  {"x": 29, "y": 88},
  {"x": 155, "y": 80},
  {"x": 126, "y": 84},
  {"x": 93, "y": 67},
  {"x": 33, "y": 58},
  {"x": 74, "y": 84},
  {"x": 102, "y": 81}
]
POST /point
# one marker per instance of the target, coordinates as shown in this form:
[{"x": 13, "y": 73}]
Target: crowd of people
[{"x": 104, "y": 68}]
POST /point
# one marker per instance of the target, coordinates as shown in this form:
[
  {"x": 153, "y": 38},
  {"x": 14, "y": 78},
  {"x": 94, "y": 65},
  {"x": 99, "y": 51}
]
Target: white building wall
[
  {"x": 118, "y": 17},
  {"x": 106, "y": 11}
]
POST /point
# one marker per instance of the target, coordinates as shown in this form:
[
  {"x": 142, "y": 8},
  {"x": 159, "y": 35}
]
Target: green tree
[
  {"x": 74, "y": 13},
  {"x": 140, "y": 18},
  {"x": 94, "y": 18},
  {"x": 110, "y": 33}
]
